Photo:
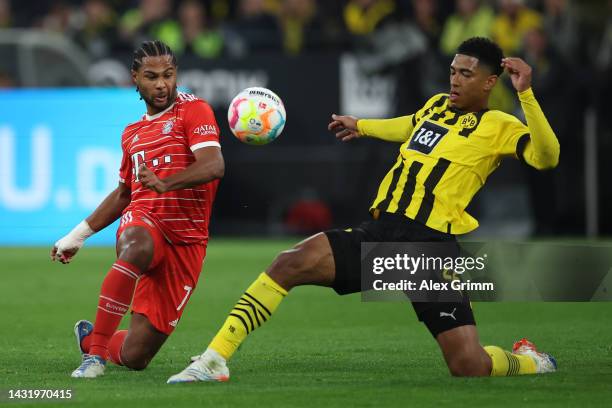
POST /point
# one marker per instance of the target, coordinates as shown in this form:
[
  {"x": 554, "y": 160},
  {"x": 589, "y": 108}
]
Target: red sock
[
  {"x": 115, "y": 298},
  {"x": 114, "y": 346},
  {"x": 86, "y": 344}
]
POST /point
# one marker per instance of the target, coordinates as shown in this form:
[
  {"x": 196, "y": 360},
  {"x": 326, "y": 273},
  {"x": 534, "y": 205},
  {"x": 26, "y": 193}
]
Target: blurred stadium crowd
[
  {"x": 214, "y": 28},
  {"x": 568, "y": 42}
]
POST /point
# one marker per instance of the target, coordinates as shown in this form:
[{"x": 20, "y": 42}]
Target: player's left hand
[
  {"x": 519, "y": 71},
  {"x": 150, "y": 180}
]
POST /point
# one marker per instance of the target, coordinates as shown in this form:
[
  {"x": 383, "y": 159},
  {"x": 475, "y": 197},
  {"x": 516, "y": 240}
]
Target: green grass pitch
[{"x": 319, "y": 349}]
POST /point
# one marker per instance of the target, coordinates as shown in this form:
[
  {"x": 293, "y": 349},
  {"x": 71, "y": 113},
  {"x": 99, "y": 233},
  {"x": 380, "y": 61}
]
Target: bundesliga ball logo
[{"x": 256, "y": 116}]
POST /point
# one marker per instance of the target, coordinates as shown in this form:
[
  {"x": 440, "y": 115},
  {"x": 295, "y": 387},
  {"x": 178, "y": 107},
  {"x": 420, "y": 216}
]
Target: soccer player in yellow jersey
[{"x": 448, "y": 149}]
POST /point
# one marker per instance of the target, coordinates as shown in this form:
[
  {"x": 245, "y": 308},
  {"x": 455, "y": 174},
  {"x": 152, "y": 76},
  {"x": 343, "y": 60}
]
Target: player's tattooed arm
[{"x": 209, "y": 165}]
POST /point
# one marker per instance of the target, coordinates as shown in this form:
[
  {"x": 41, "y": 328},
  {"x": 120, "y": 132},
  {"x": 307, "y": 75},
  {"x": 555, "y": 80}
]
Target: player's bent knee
[
  {"x": 288, "y": 266},
  {"x": 292, "y": 267},
  {"x": 135, "y": 245},
  {"x": 137, "y": 361},
  {"x": 308, "y": 263},
  {"x": 137, "y": 365}
]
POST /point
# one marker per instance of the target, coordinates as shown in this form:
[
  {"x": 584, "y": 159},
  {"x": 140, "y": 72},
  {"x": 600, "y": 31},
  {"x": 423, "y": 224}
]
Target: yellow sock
[
  {"x": 507, "y": 364},
  {"x": 254, "y": 308}
]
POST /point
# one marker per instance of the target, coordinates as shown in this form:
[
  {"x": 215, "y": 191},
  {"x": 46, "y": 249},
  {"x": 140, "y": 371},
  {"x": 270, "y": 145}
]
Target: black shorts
[{"x": 346, "y": 248}]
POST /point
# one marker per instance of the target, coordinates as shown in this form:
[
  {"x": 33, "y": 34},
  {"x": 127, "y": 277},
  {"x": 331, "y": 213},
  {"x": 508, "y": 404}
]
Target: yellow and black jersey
[{"x": 446, "y": 156}]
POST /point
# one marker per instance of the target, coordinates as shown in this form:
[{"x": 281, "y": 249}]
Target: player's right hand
[
  {"x": 65, "y": 249},
  {"x": 345, "y": 127}
]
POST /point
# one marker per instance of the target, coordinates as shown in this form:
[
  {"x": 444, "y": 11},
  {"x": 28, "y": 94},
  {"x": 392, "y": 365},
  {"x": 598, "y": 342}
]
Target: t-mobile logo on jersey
[{"x": 138, "y": 158}]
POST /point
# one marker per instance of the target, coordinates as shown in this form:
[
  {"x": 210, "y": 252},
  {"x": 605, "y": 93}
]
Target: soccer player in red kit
[{"x": 168, "y": 178}]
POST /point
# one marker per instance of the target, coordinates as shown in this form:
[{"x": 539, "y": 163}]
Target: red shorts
[{"x": 162, "y": 292}]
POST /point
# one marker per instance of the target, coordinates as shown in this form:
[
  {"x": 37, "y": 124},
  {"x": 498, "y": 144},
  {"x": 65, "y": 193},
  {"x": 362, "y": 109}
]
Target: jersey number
[
  {"x": 188, "y": 289},
  {"x": 427, "y": 137}
]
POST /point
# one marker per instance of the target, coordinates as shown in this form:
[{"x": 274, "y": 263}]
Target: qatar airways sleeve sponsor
[
  {"x": 206, "y": 130},
  {"x": 201, "y": 126}
]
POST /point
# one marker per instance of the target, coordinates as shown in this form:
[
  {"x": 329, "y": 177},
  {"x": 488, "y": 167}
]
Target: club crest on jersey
[
  {"x": 468, "y": 121},
  {"x": 167, "y": 127}
]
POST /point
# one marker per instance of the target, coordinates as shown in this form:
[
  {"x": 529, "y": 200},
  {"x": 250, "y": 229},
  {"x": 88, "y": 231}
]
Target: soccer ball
[{"x": 256, "y": 116}]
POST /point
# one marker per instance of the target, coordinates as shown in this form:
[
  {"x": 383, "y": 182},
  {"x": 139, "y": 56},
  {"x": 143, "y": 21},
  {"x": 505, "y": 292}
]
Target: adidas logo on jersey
[{"x": 173, "y": 323}]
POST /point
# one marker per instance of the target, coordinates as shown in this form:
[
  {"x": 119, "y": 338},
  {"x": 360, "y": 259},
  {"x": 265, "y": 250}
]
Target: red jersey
[{"x": 165, "y": 143}]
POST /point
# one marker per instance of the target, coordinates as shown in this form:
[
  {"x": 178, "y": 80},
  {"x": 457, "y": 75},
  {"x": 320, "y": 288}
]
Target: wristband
[{"x": 82, "y": 231}]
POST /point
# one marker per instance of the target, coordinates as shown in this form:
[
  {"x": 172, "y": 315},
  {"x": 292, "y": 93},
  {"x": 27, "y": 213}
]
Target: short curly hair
[{"x": 487, "y": 52}]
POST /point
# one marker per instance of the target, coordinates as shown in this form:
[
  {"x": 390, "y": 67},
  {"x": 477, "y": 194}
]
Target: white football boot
[
  {"x": 209, "y": 366},
  {"x": 545, "y": 363},
  {"x": 91, "y": 366}
]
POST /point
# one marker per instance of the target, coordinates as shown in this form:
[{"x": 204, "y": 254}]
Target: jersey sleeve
[
  {"x": 200, "y": 126},
  {"x": 125, "y": 170},
  {"x": 398, "y": 129},
  {"x": 535, "y": 143},
  {"x": 542, "y": 149},
  {"x": 513, "y": 137},
  {"x": 390, "y": 130}
]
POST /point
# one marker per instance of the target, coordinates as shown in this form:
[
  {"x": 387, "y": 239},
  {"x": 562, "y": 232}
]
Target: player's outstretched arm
[
  {"x": 107, "y": 212},
  {"x": 542, "y": 151},
  {"x": 209, "y": 165},
  {"x": 391, "y": 130}
]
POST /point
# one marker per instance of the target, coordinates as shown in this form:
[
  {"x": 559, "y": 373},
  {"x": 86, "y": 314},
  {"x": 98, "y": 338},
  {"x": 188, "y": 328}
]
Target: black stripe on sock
[
  {"x": 259, "y": 303},
  {"x": 509, "y": 363},
  {"x": 258, "y": 314},
  {"x": 513, "y": 364},
  {"x": 262, "y": 315},
  {"x": 246, "y": 312},
  {"x": 242, "y": 320},
  {"x": 249, "y": 304},
  {"x": 517, "y": 365}
]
